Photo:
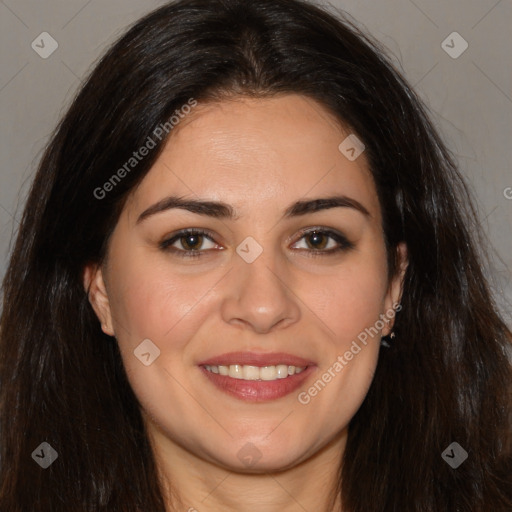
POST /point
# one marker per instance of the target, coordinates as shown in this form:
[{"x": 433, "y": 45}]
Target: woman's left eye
[
  {"x": 191, "y": 243},
  {"x": 324, "y": 242}
]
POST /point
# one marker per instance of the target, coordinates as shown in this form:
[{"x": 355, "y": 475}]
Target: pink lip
[
  {"x": 258, "y": 390},
  {"x": 257, "y": 359}
]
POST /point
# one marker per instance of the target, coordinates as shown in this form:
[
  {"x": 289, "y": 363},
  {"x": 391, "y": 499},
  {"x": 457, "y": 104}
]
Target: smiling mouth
[
  {"x": 255, "y": 376},
  {"x": 263, "y": 384},
  {"x": 256, "y": 373}
]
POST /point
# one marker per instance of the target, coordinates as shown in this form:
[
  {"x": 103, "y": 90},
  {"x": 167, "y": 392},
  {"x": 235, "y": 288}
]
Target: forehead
[{"x": 248, "y": 151}]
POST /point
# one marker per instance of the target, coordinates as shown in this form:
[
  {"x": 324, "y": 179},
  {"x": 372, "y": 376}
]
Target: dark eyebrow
[
  {"x": 220, "y": 210},
  {"x": 314, "y": 205},
  {"x": 216, "y": 209}
]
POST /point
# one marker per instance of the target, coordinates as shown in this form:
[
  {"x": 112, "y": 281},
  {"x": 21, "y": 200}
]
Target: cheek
[
  {"x": 351, "y": 304},
  {"x": 152, "y": 300},
  {"x": 351, "y": 300}
]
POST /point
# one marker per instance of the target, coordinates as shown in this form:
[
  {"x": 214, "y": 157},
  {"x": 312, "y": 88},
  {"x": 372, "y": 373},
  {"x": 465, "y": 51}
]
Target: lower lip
[{"x": 258, "y": 390}]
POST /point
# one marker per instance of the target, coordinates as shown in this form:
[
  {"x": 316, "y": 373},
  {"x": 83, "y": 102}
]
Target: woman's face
[{"x": 280, "y": 277}]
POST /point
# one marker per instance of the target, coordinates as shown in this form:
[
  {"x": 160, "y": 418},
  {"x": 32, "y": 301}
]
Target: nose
[{"x": 258, "y": 296}]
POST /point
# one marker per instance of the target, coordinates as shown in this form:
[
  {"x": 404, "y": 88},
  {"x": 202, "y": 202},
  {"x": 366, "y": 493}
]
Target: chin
[{"x": 261, "y": 464}]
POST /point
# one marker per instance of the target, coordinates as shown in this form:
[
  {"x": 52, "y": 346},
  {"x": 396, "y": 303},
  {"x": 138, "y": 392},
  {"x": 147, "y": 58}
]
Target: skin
[{"x": 260, "y": 156}]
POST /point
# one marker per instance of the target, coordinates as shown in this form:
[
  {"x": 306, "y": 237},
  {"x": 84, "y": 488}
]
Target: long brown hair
[{"x": 445, "y": 378}]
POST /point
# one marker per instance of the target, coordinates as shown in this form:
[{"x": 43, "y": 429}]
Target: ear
[
  {"x": 96, "y": 290},
  {"x": 395, "y": 289}
]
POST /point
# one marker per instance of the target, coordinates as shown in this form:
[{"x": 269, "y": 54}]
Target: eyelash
[{"x": 344, "y": 244}]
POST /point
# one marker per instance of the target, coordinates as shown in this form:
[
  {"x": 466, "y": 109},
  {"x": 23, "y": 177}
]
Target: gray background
[{"x": 470, "y": 96}]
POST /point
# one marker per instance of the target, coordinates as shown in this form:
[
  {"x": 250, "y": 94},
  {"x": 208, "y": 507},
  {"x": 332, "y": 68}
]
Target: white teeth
[
  {"x": 268, "y": 373},
  {"x": 236, "y": 371},
  {"x": 250, "y": 373},
  {"x": 282, "y": 371},
  {"x": 247, "y": 372}
]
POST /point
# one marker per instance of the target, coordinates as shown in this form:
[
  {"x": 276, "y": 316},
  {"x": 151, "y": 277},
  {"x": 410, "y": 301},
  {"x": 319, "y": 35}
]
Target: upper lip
[{"x": 256, "y": 359}]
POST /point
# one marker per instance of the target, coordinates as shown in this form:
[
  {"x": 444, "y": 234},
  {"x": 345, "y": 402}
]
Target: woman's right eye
[{"x": 189, "y": 243}]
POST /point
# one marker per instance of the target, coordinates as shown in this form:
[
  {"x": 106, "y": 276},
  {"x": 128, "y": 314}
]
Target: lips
[
  {"x": 257, "y": 359},
  {"x": 258, "y": 390}
]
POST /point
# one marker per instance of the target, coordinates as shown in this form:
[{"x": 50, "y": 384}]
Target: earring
[{"x": 384, "y": 341}]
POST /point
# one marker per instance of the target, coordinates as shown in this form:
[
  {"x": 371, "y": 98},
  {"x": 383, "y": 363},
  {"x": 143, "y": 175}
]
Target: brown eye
[
  {"x": 323, "y": 242},
  {"x": 317, "y": 240},
  {"x": 189, "y": 243}
]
